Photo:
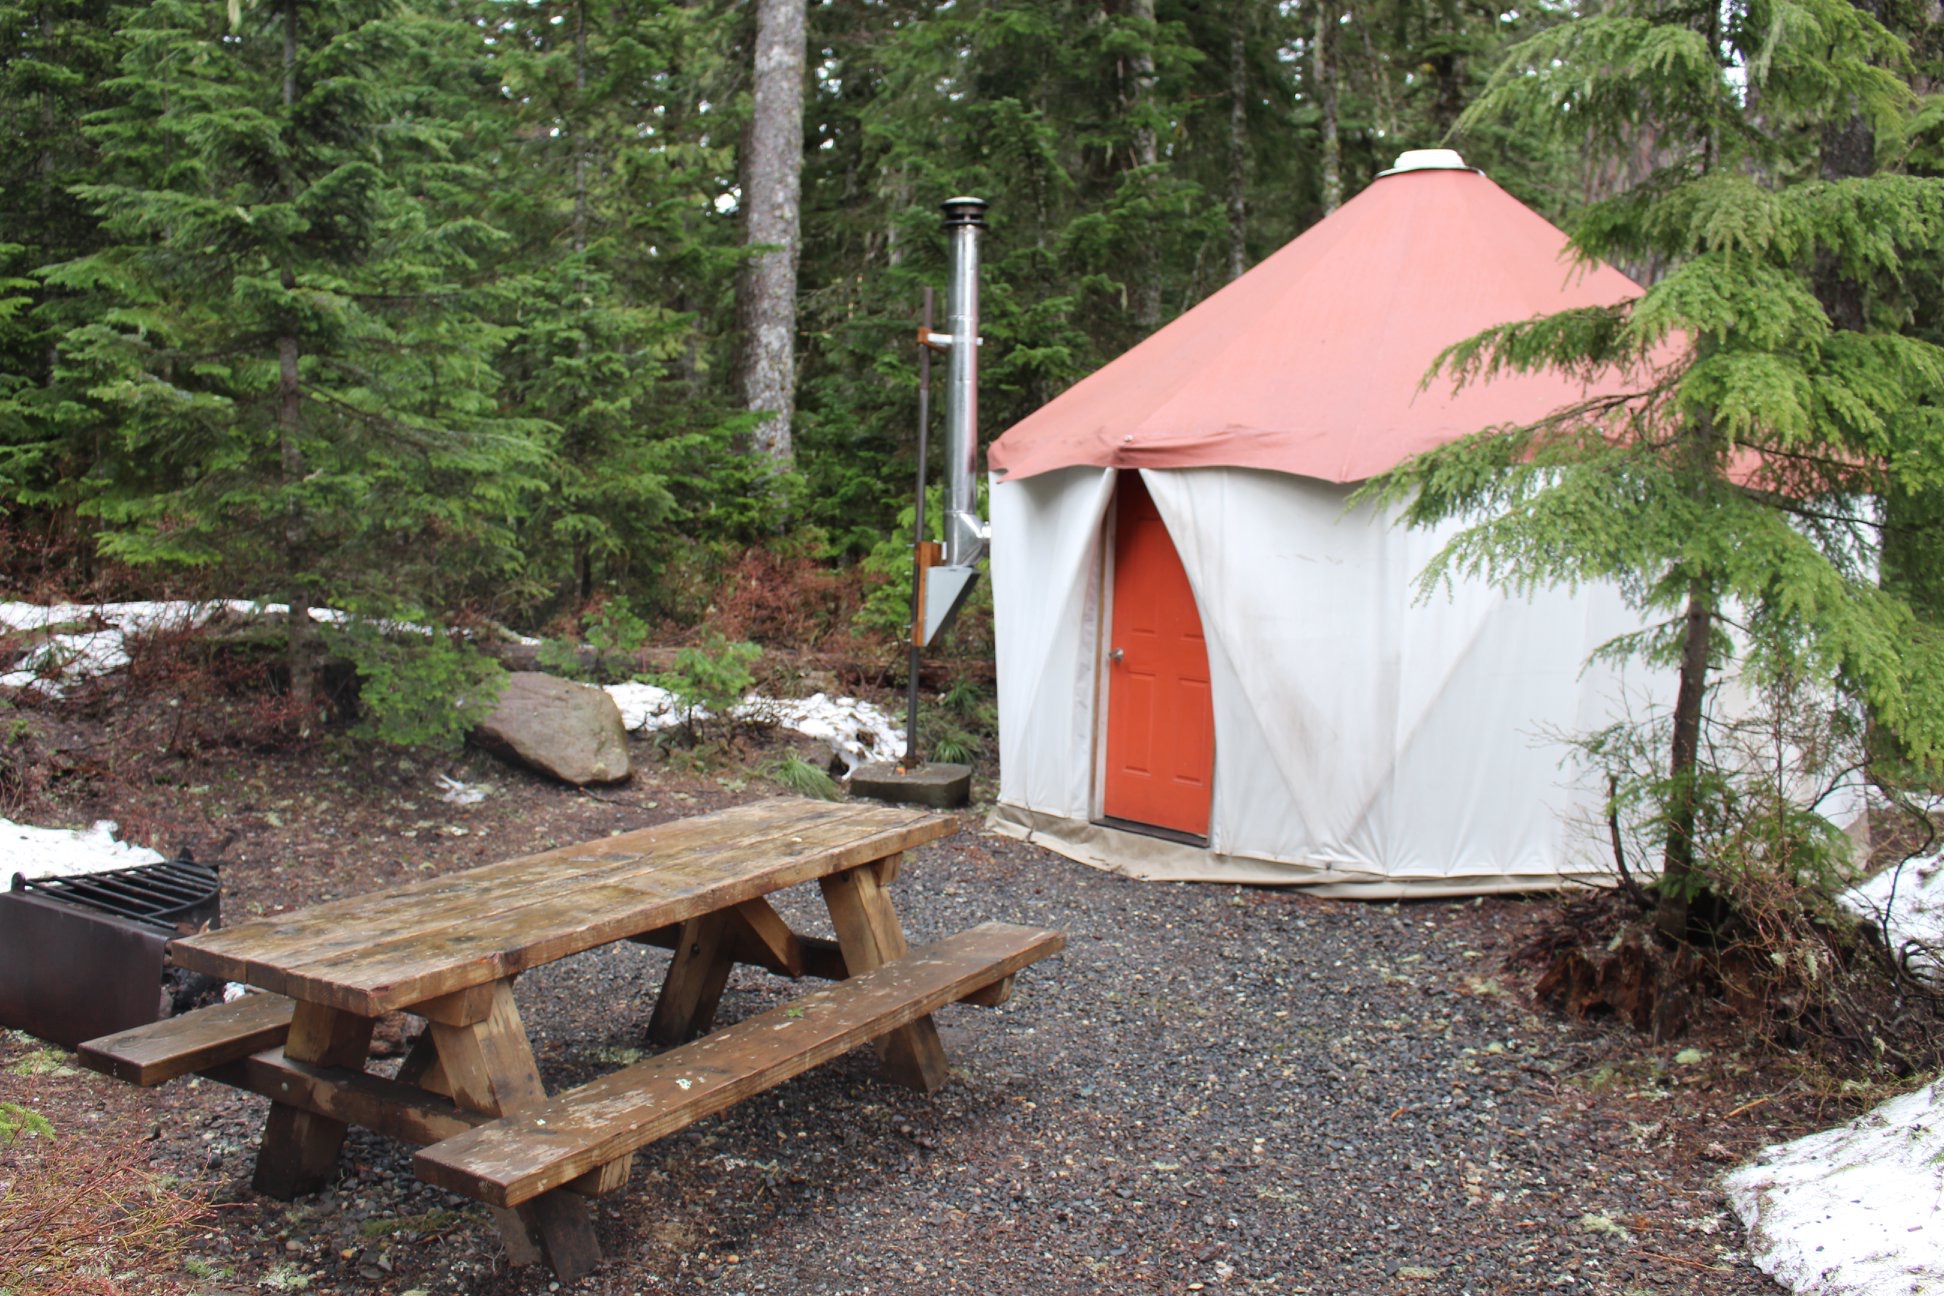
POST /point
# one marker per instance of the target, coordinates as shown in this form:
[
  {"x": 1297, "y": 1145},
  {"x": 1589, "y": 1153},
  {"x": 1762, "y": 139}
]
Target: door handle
[{"x": 1116, "y": 655}]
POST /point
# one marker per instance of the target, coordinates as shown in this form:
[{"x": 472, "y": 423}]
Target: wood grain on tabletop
[{"x": 373, "y": 953}]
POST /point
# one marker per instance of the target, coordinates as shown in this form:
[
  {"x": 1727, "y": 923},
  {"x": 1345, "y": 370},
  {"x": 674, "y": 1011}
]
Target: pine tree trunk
[
  {"x": 1848, "y": 153},
  {"x": 1677, "y": 861},
  {"x": 772, "y": 175},
  {"x": 580, "y": 129},
  {"x": 290, "y": 422},
  {"x": 1323, "y": 62},
  {"x": 900, "y": 201},
  {"x": 1380, "y": 75},
  {"x": 290, "y": 428},
  {"x": 1238, "y": 146},
  {"x": 1147, "y": 154}
]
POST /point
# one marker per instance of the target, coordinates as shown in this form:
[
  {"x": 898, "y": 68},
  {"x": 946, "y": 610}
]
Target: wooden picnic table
[{"x": 447, "y": 949}]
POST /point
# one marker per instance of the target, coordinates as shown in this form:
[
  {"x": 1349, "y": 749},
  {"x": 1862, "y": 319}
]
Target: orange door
[{"x": 1160, "y": 722}]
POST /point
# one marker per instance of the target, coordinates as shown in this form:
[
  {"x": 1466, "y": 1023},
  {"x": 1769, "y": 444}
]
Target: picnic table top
[{"x": 395, "y": 948}]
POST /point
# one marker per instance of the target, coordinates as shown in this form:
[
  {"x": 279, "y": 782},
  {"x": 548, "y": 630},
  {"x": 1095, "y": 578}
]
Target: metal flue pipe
[{"x": 965, "y": 534}]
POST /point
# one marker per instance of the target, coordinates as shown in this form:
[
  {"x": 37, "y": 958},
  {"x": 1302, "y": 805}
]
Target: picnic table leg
[
  {"x": 300, "y": 1148},
  {"x": 869, "y": 934},
  {"x": 693, "y": 988},
  {"x": 421, "y": 1065},
  {"x": 491, "y": 1070}
]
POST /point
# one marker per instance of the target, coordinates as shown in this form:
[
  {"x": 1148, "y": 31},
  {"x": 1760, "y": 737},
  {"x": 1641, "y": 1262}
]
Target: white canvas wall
[{"x": 1365, "y": 743}]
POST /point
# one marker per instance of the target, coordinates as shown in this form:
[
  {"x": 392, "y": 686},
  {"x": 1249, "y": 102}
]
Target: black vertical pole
[{"x": 918, "y": 532}]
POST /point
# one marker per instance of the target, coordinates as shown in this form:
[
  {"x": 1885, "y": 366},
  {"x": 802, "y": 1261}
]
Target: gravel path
[{"x": 1213, "y": 1088}]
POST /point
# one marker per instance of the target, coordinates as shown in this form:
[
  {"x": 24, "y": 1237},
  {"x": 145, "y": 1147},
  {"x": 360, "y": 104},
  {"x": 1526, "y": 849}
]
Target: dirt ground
[{"x": 1213, "y": 1088}]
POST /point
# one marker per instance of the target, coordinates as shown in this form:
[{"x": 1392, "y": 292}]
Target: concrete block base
[{"x": 935, "y": 784}]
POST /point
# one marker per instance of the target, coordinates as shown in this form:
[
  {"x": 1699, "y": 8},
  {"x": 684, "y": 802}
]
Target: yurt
[{"x": 1213, "y": 666}]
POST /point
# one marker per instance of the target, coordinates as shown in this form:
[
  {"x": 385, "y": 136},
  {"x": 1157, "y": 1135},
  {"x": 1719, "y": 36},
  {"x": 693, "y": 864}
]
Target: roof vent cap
[{"x": 1428, "y": 160}]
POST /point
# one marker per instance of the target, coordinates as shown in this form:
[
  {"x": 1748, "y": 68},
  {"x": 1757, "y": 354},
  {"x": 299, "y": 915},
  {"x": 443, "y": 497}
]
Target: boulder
[{"x": 558, "y": 727}]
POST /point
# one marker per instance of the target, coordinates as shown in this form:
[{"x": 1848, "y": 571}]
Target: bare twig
[
  {"x": 1692, "y": 1264},
  {"x": 1627, "y": 883}
]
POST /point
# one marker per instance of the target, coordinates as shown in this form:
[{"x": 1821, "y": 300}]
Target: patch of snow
[
  {"x": 647, "y": 707},
  {"x": 1907, "y": 903},
  {"x": 1854, "y": 1211},
  {"x": 453, "y": 792},
  {"x": 65, "y": 852},
  {"x": 856, "y": 731},
  {"x": 50, "y": 668},
  {"x": 66, "y": 658},
  {"x": 53, "y": 666}
]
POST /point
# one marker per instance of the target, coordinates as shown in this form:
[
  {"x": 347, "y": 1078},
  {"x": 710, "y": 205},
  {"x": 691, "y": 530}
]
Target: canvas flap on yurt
[{"x": 1366, "y": 741}]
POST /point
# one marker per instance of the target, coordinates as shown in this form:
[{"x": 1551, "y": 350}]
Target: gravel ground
[{"x": 1213, "y": 1088}]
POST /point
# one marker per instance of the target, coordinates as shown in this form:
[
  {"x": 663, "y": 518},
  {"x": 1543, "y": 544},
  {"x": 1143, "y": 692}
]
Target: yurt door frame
[{"x": 1157, "y": 738}]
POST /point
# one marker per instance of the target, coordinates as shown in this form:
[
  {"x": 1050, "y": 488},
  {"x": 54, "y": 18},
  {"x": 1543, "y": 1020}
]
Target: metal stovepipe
[{"x": 965, "y": 535}]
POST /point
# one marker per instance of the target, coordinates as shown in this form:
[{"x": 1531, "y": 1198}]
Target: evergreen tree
[
  {"x": 1730, "y": 495},
  {"x": 616, "y": 263},
  {"x": 54, "y": 57},
  {"x": 1049, "y": 110},
  {"x": 289, "y": 377}
]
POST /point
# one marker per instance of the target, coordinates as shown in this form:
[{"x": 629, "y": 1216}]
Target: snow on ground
[
  {"x": 70, "y": 656},
  {"x": 647, "y": 707},
  {"x": 62, "y": 852},
  {"x": 1907, "y": 903},
  {"x": 98, "y": 643},
  {"x": 857, "y": 731},
  {"x": 66, "y": 658},
  {"x": 1859, "y": 1211},
  {"x": 1855, "y": 1211},
  {"x": 453, "y": 792}
]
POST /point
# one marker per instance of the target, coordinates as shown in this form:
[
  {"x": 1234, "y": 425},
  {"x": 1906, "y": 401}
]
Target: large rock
[{"x": 561, "y": 728}]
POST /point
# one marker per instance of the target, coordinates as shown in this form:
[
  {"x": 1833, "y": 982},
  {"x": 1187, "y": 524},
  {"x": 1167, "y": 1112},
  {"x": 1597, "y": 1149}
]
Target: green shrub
[
  {"x": 711, "y": 677},
  {"x": 560, "y": 657},
  {"x": 948, "y": 743},
  {"x": 615, "y": 634},
  {"x": 417, "y": 690}
]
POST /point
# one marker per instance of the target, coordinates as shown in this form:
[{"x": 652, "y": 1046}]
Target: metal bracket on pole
[{"x": 945, "y": 592}]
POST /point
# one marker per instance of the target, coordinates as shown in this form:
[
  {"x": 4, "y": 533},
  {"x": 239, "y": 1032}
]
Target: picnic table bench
[{"x": 447, "y": 949}]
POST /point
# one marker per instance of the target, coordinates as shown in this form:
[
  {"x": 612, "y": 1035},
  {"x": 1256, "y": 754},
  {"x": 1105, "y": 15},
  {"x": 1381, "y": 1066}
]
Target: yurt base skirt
[{"x": 1155, "y": 859}]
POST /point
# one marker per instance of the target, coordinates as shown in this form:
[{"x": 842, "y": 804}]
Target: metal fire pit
[{"x": 82, "y": 956}]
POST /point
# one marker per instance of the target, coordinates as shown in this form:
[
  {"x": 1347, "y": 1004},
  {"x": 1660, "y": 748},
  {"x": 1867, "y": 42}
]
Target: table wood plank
[
  {"x": 396, "y": 948},
  {"x": 543, "y": 1147},
  {"x": 393, "y": 1108},
  {"x": 150, "y": 1054},
  {"x": 327, "y": 929}
]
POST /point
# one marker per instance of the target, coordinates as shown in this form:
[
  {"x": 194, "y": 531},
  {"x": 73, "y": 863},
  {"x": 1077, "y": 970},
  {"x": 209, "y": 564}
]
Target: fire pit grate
[
  {"x": 82, "y": 956},
  {"x": 161, "y": 896}
]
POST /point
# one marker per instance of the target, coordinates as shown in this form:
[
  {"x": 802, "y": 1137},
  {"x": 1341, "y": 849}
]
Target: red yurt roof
[{"x": 1314, "y": 361}]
